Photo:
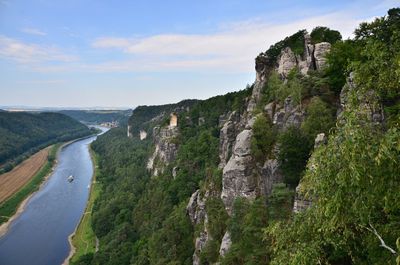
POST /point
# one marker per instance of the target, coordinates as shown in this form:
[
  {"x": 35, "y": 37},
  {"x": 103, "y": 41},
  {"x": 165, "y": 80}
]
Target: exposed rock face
[
  {"x": 227, "y": 136},
  {"x": 287, "y": 61},
  {"x": 300, "y": 202},
  {"x": 165, "y": 149},
  {"x": 288, "y": 115},
  {"x": 237, "y": 178},
  {"x": 142, "y": 134},
  {"x": 314, "y": 58},
  {"x": 196, "y": 208},
  {"x": 128, "y": 130},
  {"x": 270, "y": 175},
  {"x": 367, "y": 102},
  {"x": 320, "y": 51},
  {"x": 225, "y": 244},
  {"x": 320, "y": 140}
]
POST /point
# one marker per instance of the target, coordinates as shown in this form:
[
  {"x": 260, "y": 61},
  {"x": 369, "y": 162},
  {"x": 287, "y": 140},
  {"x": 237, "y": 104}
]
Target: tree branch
[{"x": 383, "y": 244}]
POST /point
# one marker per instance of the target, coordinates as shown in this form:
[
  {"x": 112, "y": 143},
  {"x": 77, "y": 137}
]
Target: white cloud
[
  {"x": 33, "y": 31},
  {"x": 231, "y": 49},
  {"x": 24, "y": 53}
]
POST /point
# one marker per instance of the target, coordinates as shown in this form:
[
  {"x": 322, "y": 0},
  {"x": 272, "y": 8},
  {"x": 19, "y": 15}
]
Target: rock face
[
  {"x": 241, "y": 175},
  {"x": 367, "y": 102},
  {"x": 128, "y": 131},
  {"x": 288, "y": 115},
  {"x": 225, "y": 244},
  {"x": 320, "y": 51},
  {"x": 142, "y": 134},
  {"x": 196, "y": 210},
  {"x": 165, "y": 149},
  {"x": 237, "y": 177},
  {"x": 230, "y": 128},
  {"x": 314, "y": 58}
]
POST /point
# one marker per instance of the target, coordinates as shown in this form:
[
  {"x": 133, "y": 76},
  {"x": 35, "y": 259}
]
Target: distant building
[{"x": 110, "y": 124}]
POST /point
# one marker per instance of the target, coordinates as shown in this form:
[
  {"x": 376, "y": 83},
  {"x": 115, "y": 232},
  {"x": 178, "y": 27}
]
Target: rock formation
[{"x": 166, "y": 149}]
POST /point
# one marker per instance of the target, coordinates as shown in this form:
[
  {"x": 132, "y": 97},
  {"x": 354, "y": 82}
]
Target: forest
[
  {"x": 99, "y": 116},
  {"x": 352, "y": 179},
  {"x": 22, "y": 134}
]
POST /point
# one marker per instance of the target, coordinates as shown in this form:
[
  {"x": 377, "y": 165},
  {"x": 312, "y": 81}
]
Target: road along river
[{"x": 39, "y": 236}]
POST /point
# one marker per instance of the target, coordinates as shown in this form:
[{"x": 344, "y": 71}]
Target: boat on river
[{"x": 70, "y": 178}]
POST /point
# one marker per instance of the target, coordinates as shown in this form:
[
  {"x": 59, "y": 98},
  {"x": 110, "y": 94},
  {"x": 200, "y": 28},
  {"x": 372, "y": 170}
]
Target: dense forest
[
  {"x": 350, "y": 178},
  {"x": 99, "y": 116},
  {"x": 22, "y": 134}
]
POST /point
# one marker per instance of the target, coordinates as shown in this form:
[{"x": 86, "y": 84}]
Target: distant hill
[
  {"x": 99, "y": 116},
  {"x": 22, "y": 133}
]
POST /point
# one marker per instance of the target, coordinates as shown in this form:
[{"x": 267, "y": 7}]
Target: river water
[{"x": 39, "y": 236}]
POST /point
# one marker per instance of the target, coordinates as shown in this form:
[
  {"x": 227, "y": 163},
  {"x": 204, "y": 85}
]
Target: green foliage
[
  {"x": 23, "y": 134},
  {"x": 379, "y": 67},
  {"x": 320, "y": 119},
  {"x": 141, "y": 219},
  {"x": 324, "y": 34},
  {"x": 340, "y": 58},
  {"x": 172, "y": 244},
  {"x": 294, "y": 42},
  {"x": 280, "y": 202},
  {"x": 294, "y": 151},
  {"x": 245, "y": 227},
  {"x": 355, "y": 189},
  {"x": 263, "y": 139},
  {"x": 99, "y": 116}
]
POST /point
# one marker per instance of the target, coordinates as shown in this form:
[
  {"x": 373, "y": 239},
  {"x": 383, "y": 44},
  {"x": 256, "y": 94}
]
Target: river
[{"x": 39, "y": 236}]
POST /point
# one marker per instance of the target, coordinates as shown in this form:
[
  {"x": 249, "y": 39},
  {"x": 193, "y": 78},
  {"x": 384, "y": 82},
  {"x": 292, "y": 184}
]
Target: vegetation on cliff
[{"x": 353, "y": 180}]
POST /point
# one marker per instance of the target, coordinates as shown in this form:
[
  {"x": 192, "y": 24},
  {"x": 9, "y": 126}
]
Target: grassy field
[
  {"x": 10, "y": 206},
  {"x": 84, "y": 239}
]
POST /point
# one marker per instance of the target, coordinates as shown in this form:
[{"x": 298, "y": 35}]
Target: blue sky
[{"x": 127, "y": 53}]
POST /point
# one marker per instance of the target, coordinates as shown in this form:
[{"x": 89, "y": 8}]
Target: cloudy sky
[{"x": 84, "y": 53}]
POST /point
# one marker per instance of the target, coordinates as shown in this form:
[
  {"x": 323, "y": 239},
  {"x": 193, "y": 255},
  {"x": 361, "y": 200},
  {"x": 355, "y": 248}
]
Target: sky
[{"x": 84, "y": 53}]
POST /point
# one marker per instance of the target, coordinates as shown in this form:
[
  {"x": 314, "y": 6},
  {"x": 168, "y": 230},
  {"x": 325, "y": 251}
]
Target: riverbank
[
  {"x": 14, "y": 206},
  {"x": 83, "y": 240},
  {"x": 11, "y": 182}
]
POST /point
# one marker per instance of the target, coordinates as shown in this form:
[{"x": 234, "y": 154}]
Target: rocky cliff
[{"x": 241, "y": 175}]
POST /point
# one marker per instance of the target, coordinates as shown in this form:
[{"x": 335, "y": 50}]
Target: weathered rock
[
  {"x": 238, "y": 181},
  {"x": 286, "y": 62},
  {"x": 320, "y": 140},
  {"x": 174, "y": 172},
  {"x": 200, "y": 243},
  {"x": 300, "y": 202},
  {"x": 225, "y": 244},
  {"x": 196, "y": 208},
  {"x": 165, "y": 149},
  {"x": 142, "y": 134},
  {"x": 227, "y": 136},
  {"x": 128, "y": 131},
  {"x": 320, "y": 51},
  {"x": 243, "y": 143},
  {"x": 270, "y": 175},
  {"x": 269, "y": 109}
]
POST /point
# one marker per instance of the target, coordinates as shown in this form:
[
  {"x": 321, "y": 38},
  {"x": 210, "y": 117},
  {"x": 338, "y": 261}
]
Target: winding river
[{"x": 39, "y": 236}]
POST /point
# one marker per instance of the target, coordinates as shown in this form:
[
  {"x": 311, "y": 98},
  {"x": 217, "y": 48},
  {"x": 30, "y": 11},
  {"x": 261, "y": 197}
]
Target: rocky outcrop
[
  {"x": 314, "y": 58},
  {"x": 237, "y": 177},
  {"x": 142, "y": 135},
  {"x": 196, "y": 210},
  {"x": 366, "y": 103},
  {"x": 288, "y": 115},
  {"x": 225, "y": 244},
  {"x": 231, "y": 126},
  {"x": 165, "y": 151},
  {"x": 320, "y": 51}
]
